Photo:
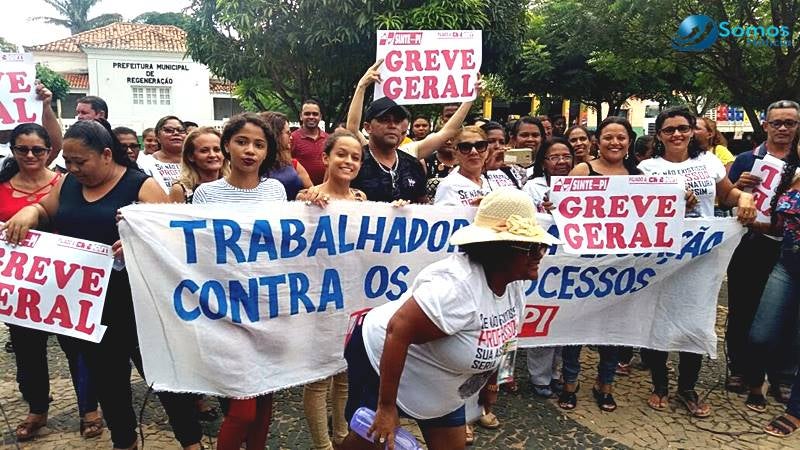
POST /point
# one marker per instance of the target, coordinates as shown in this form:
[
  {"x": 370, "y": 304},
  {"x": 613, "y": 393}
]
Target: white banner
[
  {"x": 769, "y": 169},
  {"x": 619, "y": 214},
  {"x": 249, "y": 300},
  {"x": 18, "y": 102},
  {"x": 56, "y": 284},
  {"x": 429, "y": 66}
]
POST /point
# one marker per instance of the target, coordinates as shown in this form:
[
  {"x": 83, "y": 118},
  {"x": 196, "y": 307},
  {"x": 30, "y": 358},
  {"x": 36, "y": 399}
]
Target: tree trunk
[{"x": 758, "y": 131}]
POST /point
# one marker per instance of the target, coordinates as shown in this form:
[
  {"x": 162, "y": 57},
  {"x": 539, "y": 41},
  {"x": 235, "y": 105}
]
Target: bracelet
[{"x": 492, "y": 387}]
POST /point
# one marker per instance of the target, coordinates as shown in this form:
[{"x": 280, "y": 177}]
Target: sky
[{"x": 15, "y": 26}]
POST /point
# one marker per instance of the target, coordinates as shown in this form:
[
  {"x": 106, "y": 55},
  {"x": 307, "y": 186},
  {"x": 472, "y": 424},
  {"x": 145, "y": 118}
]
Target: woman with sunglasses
[
  {"x": 434, "y": 332},
  {"x": 25, "y": 180},
  {"x": 678, "y": 153},
  {"x": 466, "y": 185},
  {"x": 165, "y": 164}
]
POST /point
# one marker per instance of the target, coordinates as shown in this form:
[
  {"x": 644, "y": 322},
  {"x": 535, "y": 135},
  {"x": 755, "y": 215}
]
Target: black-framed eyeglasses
[
  {"x": 170, "y": 130},
  {"x": 535, "y": 249},
  {"x": 669, "y": 131},
  {"x": 558, "y": 158},
  {"x": 131, "y": 146},
  {"x": 788, "y": 123},
  {"x": 20, "y": 150},
  {"x": 466, "y": 147}
]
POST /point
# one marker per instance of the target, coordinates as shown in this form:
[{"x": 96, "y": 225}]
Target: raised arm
[
  {"x": 49, "y": 121},
  {"x": 371, "y": 76}
]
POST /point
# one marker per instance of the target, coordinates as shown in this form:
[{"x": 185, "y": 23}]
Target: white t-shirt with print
[
  {"x": 439, "y": 375},
  {"x": 456, "y": 189},
  {"x": 497, "y": 179},
  {"x": 701, "y": 175},
  {"x": 538, "y": 189}
]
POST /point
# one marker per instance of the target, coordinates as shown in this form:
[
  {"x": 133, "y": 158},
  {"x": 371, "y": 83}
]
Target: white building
[{"x": 141, "y": 71}]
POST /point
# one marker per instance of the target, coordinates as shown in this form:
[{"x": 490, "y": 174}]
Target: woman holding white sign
[
  {"x": 452, "y": 326},
  {"x": 101, "y": 180},
  {"x": 678, "y": 153}
]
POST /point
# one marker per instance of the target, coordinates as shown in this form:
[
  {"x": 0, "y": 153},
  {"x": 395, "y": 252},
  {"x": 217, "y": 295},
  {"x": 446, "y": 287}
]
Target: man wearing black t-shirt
[{"x": 388, "y": 174}]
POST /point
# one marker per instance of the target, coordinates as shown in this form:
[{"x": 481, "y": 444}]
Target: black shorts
[{"x": 364, "y": 385}]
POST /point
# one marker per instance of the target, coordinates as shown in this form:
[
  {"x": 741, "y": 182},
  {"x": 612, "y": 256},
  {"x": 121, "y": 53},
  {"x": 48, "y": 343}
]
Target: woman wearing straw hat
[{"x": 423, "y": 355}]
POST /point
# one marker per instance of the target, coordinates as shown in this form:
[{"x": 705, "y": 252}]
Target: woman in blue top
[{"x": 286, "y": 169}]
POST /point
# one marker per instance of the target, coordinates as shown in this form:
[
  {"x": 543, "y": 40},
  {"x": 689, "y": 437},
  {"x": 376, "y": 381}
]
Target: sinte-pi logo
[{"x": 696, "y": 33}]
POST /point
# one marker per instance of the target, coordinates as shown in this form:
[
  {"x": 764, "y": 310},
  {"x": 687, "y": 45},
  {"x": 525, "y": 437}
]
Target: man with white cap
[{"x": 425, "y": 354}]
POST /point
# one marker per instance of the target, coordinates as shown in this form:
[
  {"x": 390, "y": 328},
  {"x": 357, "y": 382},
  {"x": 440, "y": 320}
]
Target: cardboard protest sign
[
  {"x": 619, "y": 214},
  {"x": 56, "y": 284},
  {"x": 429, "y": 66},
  {"x": 769, "y": 170},
  {"x": 264, "y": 294},
  {"x": 18, "y": 102}
]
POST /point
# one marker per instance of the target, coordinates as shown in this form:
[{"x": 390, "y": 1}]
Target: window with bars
[
  {"x": 138, "y": 96},
  {"x": 164, "y": 96},
  {"x": 152, "y": 96}
]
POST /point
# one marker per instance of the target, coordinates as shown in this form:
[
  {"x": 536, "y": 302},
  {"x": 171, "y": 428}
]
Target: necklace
[{"x": 392, "y": 171}]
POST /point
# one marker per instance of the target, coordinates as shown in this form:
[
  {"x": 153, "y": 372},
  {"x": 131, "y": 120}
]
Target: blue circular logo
[{"x": 695, "y": 34}]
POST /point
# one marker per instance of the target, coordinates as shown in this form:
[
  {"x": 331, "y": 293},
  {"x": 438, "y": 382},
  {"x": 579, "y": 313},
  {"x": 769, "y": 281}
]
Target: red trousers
[{"x": 246, "y": 421}]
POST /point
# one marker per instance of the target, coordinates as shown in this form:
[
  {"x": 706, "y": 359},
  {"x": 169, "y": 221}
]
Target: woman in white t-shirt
[
  {"x": 165, "y": 164},
  {"x": 423, "y": 355},
  {"x": 555, "y": 158},
  {"x": 678, "y": 153},
  {"x": 466, "y": 185}
]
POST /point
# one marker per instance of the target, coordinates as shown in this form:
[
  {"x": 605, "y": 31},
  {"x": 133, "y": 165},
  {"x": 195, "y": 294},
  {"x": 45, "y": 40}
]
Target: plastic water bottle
[{"x": 362, "y": 420}]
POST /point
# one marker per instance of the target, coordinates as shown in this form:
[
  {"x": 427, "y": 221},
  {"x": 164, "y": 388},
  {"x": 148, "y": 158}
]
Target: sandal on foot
[
  {"x": 781, "y": 426},
  {"x": 661, "y": 395},
  {"x": 623, "y": 369},
  {"x": 489, "y": 421},
  {"x": 568, "y": 400},
  {"x": 780, "y": 392},
  {"x": 735, "y": 384},
  {"x": 543, "y": 390},
  {"x": 92, "y": 428},
  {"x": 696, "y": 408},
  {"x": 28, "y": 429},
  {"x": 511, "y": 387},
  {"x": 605, "y": 401},
  {"x": 470, "y": 434},
  {"x": 756, "y": 402}
]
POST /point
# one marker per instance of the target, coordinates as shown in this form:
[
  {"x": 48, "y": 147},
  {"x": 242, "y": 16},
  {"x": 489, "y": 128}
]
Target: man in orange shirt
[{"x": 308, "y": 141}]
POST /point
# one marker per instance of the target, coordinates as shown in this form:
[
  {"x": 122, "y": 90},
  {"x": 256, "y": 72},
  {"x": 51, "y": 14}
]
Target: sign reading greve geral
[
  {"x": 769, "y": 170},
  {"x": 619, "y": 214},
  {"x": 18, "y": 102},
  {"x": 429, "y": 66},
  {"x": 56, "y": 284}
]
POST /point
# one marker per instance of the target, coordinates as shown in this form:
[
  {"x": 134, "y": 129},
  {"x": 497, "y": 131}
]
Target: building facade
[{"x": 141, "y": 71}]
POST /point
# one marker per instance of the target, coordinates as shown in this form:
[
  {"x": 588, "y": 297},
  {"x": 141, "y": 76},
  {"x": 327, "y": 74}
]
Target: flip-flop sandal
[
  {"x": 756, "y": 402},
  {"x": 691, "y": 400},
  {"x": 91, "y": 428},
  {"x": 567, "y": 400},
  {"x": 623, "y": 369},
  {"x": 663, "y": 399},
  {"x": 784, "y": 426},
  {"x": 605, "y": 401},
  {"x": 511, "y": 387},
  {"x": 489, "y": 421},
  {"x": 28, "y": 429}
]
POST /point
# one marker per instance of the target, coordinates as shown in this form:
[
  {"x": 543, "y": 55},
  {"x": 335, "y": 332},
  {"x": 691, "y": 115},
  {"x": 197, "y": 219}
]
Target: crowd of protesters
[{"x": 74, "y": 184}]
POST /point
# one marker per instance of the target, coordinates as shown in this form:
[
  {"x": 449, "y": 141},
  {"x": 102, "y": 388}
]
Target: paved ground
[{"x": 528, "y": 423}]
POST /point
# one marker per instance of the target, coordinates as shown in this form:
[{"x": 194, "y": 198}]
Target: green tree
[
  {"x": 289, "y": 50},
  {"x": 53, "y": 81},
  {"x": 74, "y": 14},
  {"x": 158, "y": 18},
  {"x": 6, "y": 46}
]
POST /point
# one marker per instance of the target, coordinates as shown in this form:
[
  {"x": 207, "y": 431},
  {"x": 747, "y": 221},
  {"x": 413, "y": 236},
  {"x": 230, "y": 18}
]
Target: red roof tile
[
  {"x": 121, "y": 36},
  {"x": 77, "y": 80},
  {"x": 220, "y": 86}
]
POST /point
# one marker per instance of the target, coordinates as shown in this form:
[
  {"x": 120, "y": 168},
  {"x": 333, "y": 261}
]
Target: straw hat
[{"x": 505, "y": 214}]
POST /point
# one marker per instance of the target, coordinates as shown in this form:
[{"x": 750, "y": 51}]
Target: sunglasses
[
  {"x": 669, "y": 131},
  {"x": 23, "y": 151},
  {"x": 789, "y": 123},
  {"x": 533, "y": 249},
  {"x": 466, "y": 147}
]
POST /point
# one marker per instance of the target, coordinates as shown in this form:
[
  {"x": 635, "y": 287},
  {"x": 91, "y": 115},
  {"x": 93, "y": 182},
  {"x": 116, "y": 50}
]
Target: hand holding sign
[{"x": 765, "y": 177}]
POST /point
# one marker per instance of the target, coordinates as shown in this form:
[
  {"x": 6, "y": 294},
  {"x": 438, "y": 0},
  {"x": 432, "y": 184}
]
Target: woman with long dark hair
[
  {"x": 287, "y": 170},
  {"x": 678, "y": 153}
]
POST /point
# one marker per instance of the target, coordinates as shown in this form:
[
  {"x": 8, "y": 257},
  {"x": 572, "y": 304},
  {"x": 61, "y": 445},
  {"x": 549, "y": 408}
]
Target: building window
[
  {"x": 138, "y": 96},
  {"x": 152, "y": 96},
  {"x": 225, "y": 107},
  {"x": 163, "y": 96}
]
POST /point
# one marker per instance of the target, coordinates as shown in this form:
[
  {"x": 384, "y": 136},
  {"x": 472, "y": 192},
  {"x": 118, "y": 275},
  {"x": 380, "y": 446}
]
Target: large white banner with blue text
[{"x": 238, "y": 300}]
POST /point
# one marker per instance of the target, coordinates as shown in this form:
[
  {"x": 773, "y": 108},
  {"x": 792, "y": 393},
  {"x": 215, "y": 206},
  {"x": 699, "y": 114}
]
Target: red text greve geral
[
  {"x": 16, "y": 113},
  {"x": 428, "y": 86}
]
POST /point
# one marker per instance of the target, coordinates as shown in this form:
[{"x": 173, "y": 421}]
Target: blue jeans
[
  {"x": 606, "y": 368},
  {"x": 777, "y": 316}
]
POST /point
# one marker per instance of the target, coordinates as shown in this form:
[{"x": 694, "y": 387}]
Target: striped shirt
[{"x": 221, "y": 191}]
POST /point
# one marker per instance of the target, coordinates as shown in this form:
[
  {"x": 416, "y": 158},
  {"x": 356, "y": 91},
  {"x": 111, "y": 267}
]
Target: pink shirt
[{"x": 309, "y": 151}]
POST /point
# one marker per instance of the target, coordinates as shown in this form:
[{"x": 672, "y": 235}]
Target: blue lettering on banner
[
  {"x": 331, "y": 291},
  {"x": 397, "y": 236},
  {"x": 323, "y": 238},
  {"x": 240, "y": 298},
  {"x": 576, "y": 282},
  {"x": 272, "y": 283},
  {"x": 364, "y": 235},
  {"x": 292, "y": 230},
  {"x": 344, "y": 246},
  {"x": 205, "y": 300},
  {"x": 177, "y": 300},
  {"x": 188, "y": 236},
  {"x": 223, "y": 244},
  {"x": 262, "y": 241},
  {"x": 384, "y": 279}
]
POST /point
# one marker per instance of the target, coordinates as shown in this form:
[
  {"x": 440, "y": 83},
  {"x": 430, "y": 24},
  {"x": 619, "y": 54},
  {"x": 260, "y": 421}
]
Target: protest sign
[
  {"x": 769, "y": 169},
  {"x": 619, "y": 214},
  {"x": 18, "y": 102},
  {"x": 249, "y": 300},
  {"x": 56, "y": 284},
  {"x": 429, "y": 66}
]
